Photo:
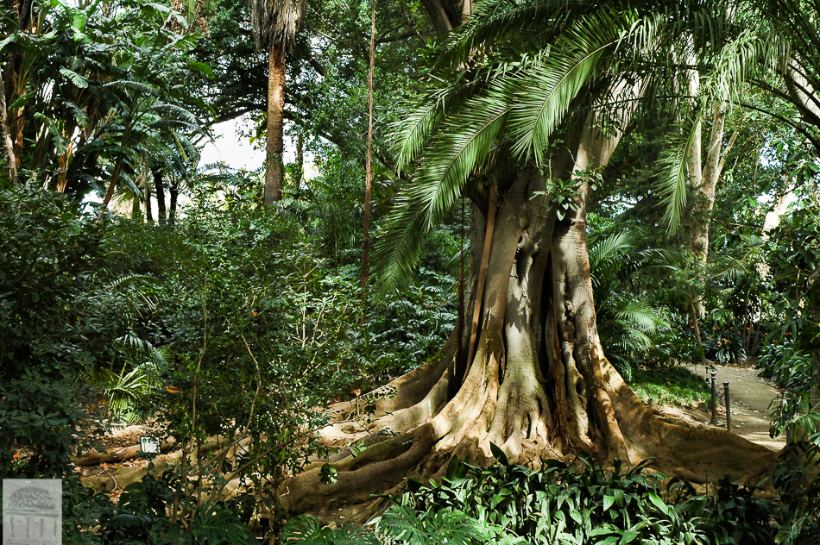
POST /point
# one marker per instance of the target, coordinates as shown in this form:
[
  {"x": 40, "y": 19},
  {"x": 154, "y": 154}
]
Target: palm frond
[
  {"x": 672, "y": 174},
  {"x": 609, "y": 249},
  {"x": 491, "y": 21},
  {"x": 640, "y": 316},
  {"x": 748, "y": 54},
  {"x": 545, "y": 91},
  {"x": 412, "y": 132},
  {"x": 461, "y": 146}
]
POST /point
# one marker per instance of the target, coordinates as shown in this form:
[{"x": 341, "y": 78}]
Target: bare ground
[{"x": 750, "y": 396}]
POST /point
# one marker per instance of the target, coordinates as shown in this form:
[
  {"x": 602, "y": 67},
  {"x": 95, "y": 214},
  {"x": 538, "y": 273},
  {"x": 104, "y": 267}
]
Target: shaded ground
[
  {"x": 750, "y": 397},
  {"x": 750, "y": 394}
]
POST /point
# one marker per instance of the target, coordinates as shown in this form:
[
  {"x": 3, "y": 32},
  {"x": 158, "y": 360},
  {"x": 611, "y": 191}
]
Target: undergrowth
[
  {"x": 674, "y": 386},
  {"x": 578, "y": 503}
]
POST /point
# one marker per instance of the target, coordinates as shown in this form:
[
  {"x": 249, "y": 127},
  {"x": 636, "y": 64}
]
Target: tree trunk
[
  {"x": 159, "y": 186},
  {"x": 149, "y": 215},
  {"x": 368, "y": 175},
  {"x": 274, "y": 168},
  {"x": 173, "y": 190},
  {"x": 5, "y": 134},
  {"x": 136, "y": 211},
  {"x": 703, "y": 186},
  {"x": 300, "y": 157},
  {"x": 112, "y": 185},
  {"x": 536, "y": 383}
]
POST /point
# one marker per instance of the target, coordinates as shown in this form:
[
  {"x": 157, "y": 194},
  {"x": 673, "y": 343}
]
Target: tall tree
[
  {"x": 5, "y": 134},
  {"x": 368, "y": 174},
  {"x": 524, "y": 140},
  {"x": 275, "y": 24}
]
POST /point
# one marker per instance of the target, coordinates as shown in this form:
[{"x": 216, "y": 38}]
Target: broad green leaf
[{"x": 75, "y": 78}]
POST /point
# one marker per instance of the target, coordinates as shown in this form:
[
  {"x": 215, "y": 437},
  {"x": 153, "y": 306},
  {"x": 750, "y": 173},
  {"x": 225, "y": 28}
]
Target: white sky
[{"x": 233, "y": 149}]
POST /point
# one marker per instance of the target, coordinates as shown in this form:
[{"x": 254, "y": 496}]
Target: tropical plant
[
  {"x": 627, "y": 321},
  {"x": 117, "y": 88}
]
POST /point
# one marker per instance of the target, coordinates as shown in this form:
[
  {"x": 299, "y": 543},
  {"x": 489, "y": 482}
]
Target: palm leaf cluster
[
  {"x": 275, "y": 22},
  {"x": 626, "y": 322},
  {"x": 513, "y": 92}
]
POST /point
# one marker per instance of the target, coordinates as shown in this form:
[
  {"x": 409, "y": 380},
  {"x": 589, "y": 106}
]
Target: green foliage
[
  {"x": 117, "y": 81},
  {"x": 628, "y": 323},
  {"x": 795, "y": 372},
  {"x": 47, "y": 248},
  {"x": 401, "y": 525},
  {"x": 578, "y": 503},
  {"x": 305, "y": 530},
  {"x": 560, "y": 503},
  {"x": 141, "y": 517},
  {"x": 670, "y": 386}
]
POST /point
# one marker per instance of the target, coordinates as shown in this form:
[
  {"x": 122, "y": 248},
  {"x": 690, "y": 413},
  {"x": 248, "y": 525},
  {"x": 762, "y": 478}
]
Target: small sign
[
  {"x": 149, "y": 445},
  {"x": 32, "y": 512}
]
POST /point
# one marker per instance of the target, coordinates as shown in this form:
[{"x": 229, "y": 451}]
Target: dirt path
[{"x": 750, "y": 397}]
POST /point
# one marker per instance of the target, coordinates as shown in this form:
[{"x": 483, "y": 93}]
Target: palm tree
[
  {"x": 539, "y": 94},
  {"x": 275, "y": 23}
]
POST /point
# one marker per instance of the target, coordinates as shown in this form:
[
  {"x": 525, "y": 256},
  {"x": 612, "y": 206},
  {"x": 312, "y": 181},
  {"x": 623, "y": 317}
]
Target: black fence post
[
  {"x": 713, "y": 405},
  {"x": 728, "y": 406}
]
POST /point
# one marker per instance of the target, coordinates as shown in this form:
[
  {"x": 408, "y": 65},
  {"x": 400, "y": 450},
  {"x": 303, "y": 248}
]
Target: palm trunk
[
  {"x": 274, "y": 169},
  {"x": 118, "y": 164},
  {"x": 112, "y": 184},
  {"x": 368, "y": 176},
  {"x": 159, "y": 186},
  {"x": 300, "y": 158},
  {"x": 149, "y": 215}
]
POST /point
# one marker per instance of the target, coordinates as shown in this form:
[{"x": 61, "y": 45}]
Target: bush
[
  {"x": 674, "y": 386},
  {"x": 48, "y": 252}
]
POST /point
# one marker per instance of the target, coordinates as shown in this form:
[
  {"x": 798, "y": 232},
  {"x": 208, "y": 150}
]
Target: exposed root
[
  {"x": 691, "y": 451},
  {"x": 116, "y": 456}
]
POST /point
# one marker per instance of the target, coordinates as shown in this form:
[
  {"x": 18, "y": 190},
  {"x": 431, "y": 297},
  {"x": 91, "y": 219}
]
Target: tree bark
[
  {"x": 368, "y": 176},
  {"x": 300, "y": 157},
  {"x": 112, "y": 184},
  {"x": 274, "y": 168},
  {"x": 445, "y": 15},
  {"x": 173, "y": 190},
  {"x": 703, "y": 186},
  {"x": 149, "y": 215},
  {"x": 159, "y": 187},
  {"x": 5, "y": 134}
]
